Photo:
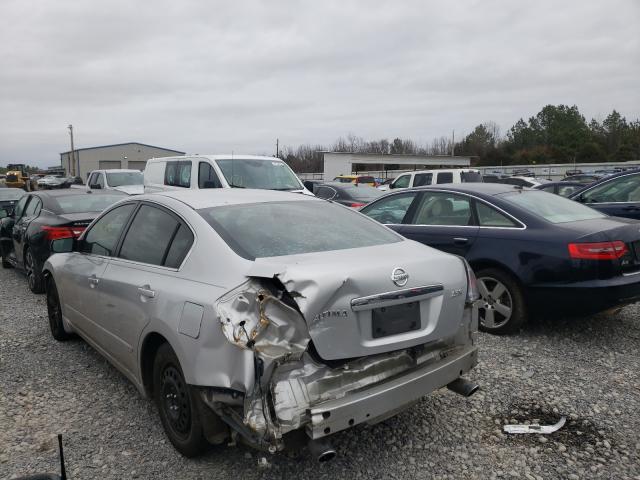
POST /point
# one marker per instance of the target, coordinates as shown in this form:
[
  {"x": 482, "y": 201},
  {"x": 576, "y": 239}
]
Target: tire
[
  {"x": 503, "y": 309},
  {"x": 34, "y": 278},
  {"x": 55, "y": 312},
  {"x": 178, "y": 405}
]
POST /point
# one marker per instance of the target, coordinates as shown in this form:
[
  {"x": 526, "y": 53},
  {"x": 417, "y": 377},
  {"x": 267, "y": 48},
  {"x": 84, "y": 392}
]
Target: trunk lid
[{"x": 352, "y": 306}]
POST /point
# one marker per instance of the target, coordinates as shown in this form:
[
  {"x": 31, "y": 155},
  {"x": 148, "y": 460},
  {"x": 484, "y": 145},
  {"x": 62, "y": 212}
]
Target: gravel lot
[{"x": 588, "y": 370}]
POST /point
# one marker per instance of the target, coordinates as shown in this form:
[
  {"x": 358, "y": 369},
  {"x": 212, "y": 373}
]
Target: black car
[
  {"x": 40, "y": 217},
  {"x": 349, "y": 194},
  {"x": 617, "y": 195},
  {"x": 9, "y": 197},
  {"x": 564, "y": 189},
  {"x": 585, "y": 178},
  {"x": 533, "y": 252}
]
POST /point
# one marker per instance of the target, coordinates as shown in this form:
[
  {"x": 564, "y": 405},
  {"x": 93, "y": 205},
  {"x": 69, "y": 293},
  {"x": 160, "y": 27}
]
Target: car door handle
[
  {"x": 460, "y": 240},
  {"x": 146, "y": 291},
  {"x": 93, "y": 281}
]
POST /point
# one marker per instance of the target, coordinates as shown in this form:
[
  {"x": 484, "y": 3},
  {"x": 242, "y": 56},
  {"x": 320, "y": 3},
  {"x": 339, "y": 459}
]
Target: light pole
[{"x": 72, "y": 163}]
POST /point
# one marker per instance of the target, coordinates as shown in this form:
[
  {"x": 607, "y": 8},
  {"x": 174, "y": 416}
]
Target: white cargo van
[
  {"x": 421, "y": 178},
  {"x": 220, "y": 171}
]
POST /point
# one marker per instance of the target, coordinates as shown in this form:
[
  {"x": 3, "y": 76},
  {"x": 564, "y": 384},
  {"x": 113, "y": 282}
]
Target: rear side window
[
  {"x": 178, "y": 174},
  {"x": 445, "y": 177},
  {"x": 182, "y": 241},
  {"x": 149, "y": 236},
  {"x": 34, "y": 207},
  {"x": 103, "y": 236},
  {"x": 490, "y": 217},
  {"x": 207, "y": 177},
  {"x": 422, "y": 179},
  {"x": 326, "y": 193}
]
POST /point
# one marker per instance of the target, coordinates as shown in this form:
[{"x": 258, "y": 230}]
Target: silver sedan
[{"x": 263, "y": 315}]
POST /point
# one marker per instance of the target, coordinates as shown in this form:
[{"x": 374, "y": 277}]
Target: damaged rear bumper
[{"x": 393, "y": 395}]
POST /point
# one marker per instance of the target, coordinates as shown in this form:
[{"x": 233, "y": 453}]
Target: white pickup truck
[{"x": 127, "y": 181}]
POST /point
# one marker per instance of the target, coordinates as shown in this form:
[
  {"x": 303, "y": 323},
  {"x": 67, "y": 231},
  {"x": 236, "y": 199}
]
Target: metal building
[{"x": 131, "y": 155}]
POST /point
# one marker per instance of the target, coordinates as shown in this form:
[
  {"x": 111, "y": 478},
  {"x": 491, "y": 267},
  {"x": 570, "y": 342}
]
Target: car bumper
[
  {"x": 585, "y": 298},
  {"x": 373, "y": 404}
]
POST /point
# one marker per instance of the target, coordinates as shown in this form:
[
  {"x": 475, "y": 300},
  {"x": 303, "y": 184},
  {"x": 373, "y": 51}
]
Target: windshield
[
  {"x": 288, "y": 228},
  {"x": 262, "y": 174},
  {"x": 8, "y": 194},
  {"x": 553, "y": 208},
  {"x": 119, "y": 179},
  {"x": 90, "y": 202}
]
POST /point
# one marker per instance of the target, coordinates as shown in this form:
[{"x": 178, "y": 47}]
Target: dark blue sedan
[
  {"x": 533, "y": 252},
  {"x": 617, "y": 195}
]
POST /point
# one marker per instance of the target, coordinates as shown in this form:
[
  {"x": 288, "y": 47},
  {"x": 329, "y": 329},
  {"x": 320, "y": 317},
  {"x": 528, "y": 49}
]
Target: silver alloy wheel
[
  {"x": 31, "y": 279},
  {"x": 497, "y": 305}
]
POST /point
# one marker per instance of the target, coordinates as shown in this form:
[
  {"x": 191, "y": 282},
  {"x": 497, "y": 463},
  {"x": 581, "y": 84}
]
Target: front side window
[
  {"x": 619, "y": 190},
  {"x": 422, "y": 179},
  {"x": 207, "y": 177},
  {"x": 294, "y": 227},
  {"x": 552, "y": 208},
  {"x": 103, "y": 236},
  {"x": 263, "y": 174},
  {"x": 149, "y": 236},
  {"x": 440, "y": 208},
  {"x": 445, "y": 177},
  {"x": 100, "y": 180},
  {"x": 402, "y": 181},
  {"x": 390, "y": 210},
  {"x": 490, "y": 217}
]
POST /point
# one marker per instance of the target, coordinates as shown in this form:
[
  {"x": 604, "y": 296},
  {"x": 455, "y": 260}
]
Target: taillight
[
  {"x": 357, "y": 205},
  {"x": 54, "y": 233},
  {"x": 473, "y": 293},
  {"x": 598, "y": 250}
]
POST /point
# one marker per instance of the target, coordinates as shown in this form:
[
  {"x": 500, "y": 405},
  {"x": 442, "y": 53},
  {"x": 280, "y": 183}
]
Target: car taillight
[
  {"x": 473, "y": 293},
  {"x": 357, "y": 205},
  {"x": 598, "y": 250},
  {"x": 54, "y": 233}
]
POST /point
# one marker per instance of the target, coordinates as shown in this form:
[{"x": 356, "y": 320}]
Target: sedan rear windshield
[
  {"x": 362, "y": 192},
  {"x": 10, "y": 194},
  {"x": 89, "y": 202},
  {"x": 119, "y": 179},
  {"x": 288, "y": 228},
  {"x": 263, "y": 174},
  {"x": 553, "y": 208}
]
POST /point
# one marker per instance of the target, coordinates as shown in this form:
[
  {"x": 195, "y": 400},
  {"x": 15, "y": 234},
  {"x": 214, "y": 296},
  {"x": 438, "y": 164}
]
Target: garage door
[
  {"x": 109, "y": 164},
  {"x": 137, "y": 165}
]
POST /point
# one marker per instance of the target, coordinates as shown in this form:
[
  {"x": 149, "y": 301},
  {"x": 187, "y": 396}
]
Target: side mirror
[
  {"x": 3, "y": 213},
  {"x": 391, "y": 185},
  {"x": 95, "y": 186},
  {"x": 63, "y": 245}
]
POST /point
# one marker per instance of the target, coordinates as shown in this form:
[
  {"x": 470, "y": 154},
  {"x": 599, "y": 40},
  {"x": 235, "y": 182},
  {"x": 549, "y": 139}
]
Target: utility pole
[
  {"x": 453, "y": 142},
  {"x": 277, "y": 148},
  {"x": 72, "y": 155}
]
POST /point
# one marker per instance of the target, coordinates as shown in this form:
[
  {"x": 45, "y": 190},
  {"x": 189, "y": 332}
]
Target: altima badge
[{"x": 399, "y": 277}]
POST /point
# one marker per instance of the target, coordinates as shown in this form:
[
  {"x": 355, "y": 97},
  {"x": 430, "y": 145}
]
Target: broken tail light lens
[
  {"x": 55, "y": 233},
  {"x": 357, "y": 205},
  {"x": 598, "y": 250}
]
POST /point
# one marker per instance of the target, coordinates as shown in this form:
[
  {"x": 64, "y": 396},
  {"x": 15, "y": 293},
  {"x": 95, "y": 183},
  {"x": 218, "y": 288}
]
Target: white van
[
  {"x": 421, "y": 178},
  {"x": 220, "y": 171}
]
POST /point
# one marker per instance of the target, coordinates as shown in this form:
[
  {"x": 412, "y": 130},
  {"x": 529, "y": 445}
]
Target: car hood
[
  {"x": 327, "y": 285},
  {"x": 131, "y": 189}
]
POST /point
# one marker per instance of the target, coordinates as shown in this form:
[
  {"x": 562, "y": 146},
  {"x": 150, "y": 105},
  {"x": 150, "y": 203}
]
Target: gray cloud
[{"x": 221, "y": 76}]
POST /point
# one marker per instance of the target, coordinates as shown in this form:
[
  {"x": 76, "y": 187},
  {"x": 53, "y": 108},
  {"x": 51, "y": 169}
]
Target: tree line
[{"x": 556, "y": 134}]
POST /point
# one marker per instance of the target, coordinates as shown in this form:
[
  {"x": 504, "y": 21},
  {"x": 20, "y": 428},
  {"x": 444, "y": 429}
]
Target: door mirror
[
  {"x": 392, "y": 185},
  {"x": 63, "y": 245},
  {"x": 95, "y": 186},
  {"x": 3, "y": 213}
]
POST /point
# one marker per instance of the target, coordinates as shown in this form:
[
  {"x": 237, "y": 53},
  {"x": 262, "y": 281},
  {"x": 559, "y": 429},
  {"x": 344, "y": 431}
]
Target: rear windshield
[
  {"x": 9, "y": 194},
  {"x": 553, "y": 208},
  {"x": 470, "y": 177},
  {"x": 362, "y": 192},
  {"x": 366, "y": 180},
  {"x": 263, "y": 174},
  {"x": 89, "y": 202},
  {"x": 119, "y": 179},
  {"x": 288, "y": 228}
]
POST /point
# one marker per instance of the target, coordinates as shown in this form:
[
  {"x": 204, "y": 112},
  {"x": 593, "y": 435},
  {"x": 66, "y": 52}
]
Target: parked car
[
  {"x": 576, "y": 171},
  {"x": 494, "y": 178},
  {"x": 607, "y": 171},
  {"x": 311, "y": 184},
  {"x": 617, "y": 195},
  {"x": 261, "y": 313},
  {"x": 50, "y": 182},
  {"x": 220, "y": 171},
  {"x": 533, "y": 252},
  {"x": 347, "y": 194},
  {"x": 523, "y": 172},
  {"x": 523, "y": 181},
  {"x": 428, "y": 177},
  {"x": 130, "y": 182},
  {"x": 563, "y": 189},
  {"x": 9, "y": 197},
  {"x": 41, "y": 217},
  {"x": 585, "y": 178},
  {"x": 356, "y": 179}
]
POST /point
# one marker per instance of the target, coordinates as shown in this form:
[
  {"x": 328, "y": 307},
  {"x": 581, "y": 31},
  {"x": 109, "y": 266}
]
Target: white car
[
  {"x": 220, "y": 171},
  {"x": 127, "y": 181},
  {"x": 421, "y": 178}
]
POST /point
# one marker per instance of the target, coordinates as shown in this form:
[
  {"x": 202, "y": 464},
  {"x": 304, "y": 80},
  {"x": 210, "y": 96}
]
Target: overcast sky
[{"x": 211, "y": 77}]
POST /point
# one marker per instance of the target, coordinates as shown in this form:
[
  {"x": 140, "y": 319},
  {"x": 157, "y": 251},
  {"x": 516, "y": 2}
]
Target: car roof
[
  {"x": 74, "y": 191},
  {"x": 229, "y": 156},
  {"x": 116, "y": 170},
  {"x": 216, "y": 197},
  {"x": 472, "y": 187}
]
